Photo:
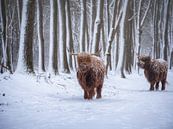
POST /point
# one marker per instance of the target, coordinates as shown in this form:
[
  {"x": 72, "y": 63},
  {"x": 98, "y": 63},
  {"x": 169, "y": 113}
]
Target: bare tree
[
  {"x": 129, "y": 52},
  {"x": 25, "y": 60},
  {"x": 53, "y": 48},
  {"x": 139, "y": 23},
  {"x": 41, "y": 66},
  {"x": 3, "y": 34},
  {"x": 19, "y": 11},
  {"x": 92, "y": 19},
  {"x": 165, "y": 30},
  {"x": 121, "y": 61},
  {"x": 62, "y": 37},
  {"x": 98, "y": 25},
  {"x": 83, "y": 24},
  {"x": 113, "y": 31},
  {"x": 70, "y": 37}
]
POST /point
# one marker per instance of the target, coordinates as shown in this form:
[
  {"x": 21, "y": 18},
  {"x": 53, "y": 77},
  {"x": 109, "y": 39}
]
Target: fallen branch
[{"x": 6, "y": 67}]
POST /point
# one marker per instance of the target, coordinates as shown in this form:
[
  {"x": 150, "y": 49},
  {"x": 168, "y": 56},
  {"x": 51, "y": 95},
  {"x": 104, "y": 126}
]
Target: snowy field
[{"x": 29, "y": 103}]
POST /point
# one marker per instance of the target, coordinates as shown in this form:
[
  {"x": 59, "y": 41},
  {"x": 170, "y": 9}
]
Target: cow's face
[{"x": 143, "y": 61}]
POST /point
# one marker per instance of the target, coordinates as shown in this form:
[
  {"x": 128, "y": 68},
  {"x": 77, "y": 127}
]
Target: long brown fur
[
  {"x": 90, "y": 74},
  {"x": 155, "y": 71}
]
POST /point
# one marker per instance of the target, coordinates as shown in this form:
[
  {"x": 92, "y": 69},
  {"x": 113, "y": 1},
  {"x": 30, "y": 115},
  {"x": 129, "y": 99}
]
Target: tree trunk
[
  {"x": 98, "y": 25},
  {"x": 19, "y": 11},
  {"x": 165, "y": 32},
  {"x": 92, "y": 19},
  {"x": 70, "y": 37},
  {"x": 113, "y": 31},
  {"x": 3, "y": 35},
  {"x": 25, "y": 60},
  {"x": 139, "y": 22},
  {"x": 61, "y": 5},
  {"x": 121, "y": 61},
  {"x": 53, "y": 48},
  {"x": 171, "y": 60},
  {"x": 128, "y": 39},
  {"x": 156, "y": 18},
  {"x": 82, "y": 26},
  {"x": 41, "y": 66},
  {"x": 108, "y": 16}
]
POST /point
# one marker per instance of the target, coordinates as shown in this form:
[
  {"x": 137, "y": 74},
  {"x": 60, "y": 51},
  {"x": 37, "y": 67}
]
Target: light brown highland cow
[
  {"x": 155, "y": 71},
  {"x": 90, "y": 74}
]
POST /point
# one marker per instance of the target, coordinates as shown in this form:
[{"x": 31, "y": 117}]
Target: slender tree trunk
[
  {"x": 98, "y": 25},
  {"x": 53, "y": 48},
  {"x": 41, "y": 66},
  {"x": 171, "y": 59},
  {"x": 113, "y": 31},
  {"x": 61, "y": 4},
  {"x": 3, "y": 35},
  {"x": 156, "y": 39},
  {"x": 165, "y": 32},
  {"x": 121, "y": 61},
  {"x": 87, "y": 45},
  {"x": 92, "y": 19},
  {"x": 19, "y": 11},
  {"x": 117, "y": 49},
  {"x": 55, "y": 38},
  {"x": 128, "y": 39},
  {"x": 108, "y": 16},
  {"x": 25, "y": 60},
  {"x": 139, "y": 22},
  {"x": 9, "y": 35},
  {"x": 70, "y": 37},
  {"x": 83, "y": 24}
]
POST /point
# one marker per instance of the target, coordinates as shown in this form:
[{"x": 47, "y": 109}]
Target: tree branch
[{"x": 145, "y": 14}]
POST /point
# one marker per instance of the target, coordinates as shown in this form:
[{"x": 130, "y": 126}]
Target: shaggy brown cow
[
  {"x": 155, "y": 71},
  {"x": 90, "y": 74}
]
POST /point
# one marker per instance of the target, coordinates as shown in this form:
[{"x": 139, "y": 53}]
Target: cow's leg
[
  {"x": 91, "y": 92},
  {"x": 85, "y": 94},
  {"x": 151, "y": 86},
  {"x": 99, "y": 90},
  {"x": 157, "y": 86},
  {"x": 163, "y": 84}
]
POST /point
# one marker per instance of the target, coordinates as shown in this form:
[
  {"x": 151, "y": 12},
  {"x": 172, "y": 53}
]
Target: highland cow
[
  {"x": 155, "y": 71},
  {"x": 90, "y": 74}
]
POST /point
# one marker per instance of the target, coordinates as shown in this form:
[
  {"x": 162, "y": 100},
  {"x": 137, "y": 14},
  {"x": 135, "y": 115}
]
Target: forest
[
  {"x": 44, "y": 85},
  {"x": 38, "y": 36}
]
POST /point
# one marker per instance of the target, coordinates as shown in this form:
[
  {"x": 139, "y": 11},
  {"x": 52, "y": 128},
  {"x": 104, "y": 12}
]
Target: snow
[
  {"x": 26, "y": 103},
  {"x": 161, "y": 60}
]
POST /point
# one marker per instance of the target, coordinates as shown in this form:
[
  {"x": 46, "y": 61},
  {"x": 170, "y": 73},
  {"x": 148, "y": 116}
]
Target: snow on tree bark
[
  {"x": 3, "y": 35},
  {"x": 62, "y": 37},
  {"x": 82, "y": 26},
  {"x": 113, "y": 31},
  {"x": 69, "y": 34},
  {"x": 92, "y": 19},
  {"x": 41, "y": 66},
  {"x": 25, "y": 59},
  {"x": 53, "y": 46},
  {"x": 120, "y": 65},
  {"x": 165, "y": 30},
  {"x": 97, "y": 26}
]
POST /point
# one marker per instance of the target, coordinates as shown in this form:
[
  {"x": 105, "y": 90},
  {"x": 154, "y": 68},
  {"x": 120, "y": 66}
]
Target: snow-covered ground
[{"x": 26, "y": 103}]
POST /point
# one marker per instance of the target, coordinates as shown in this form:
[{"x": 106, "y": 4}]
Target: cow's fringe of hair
[
  {"x": 90, "y": 74},
  {"x": 155, "y": 71}
]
